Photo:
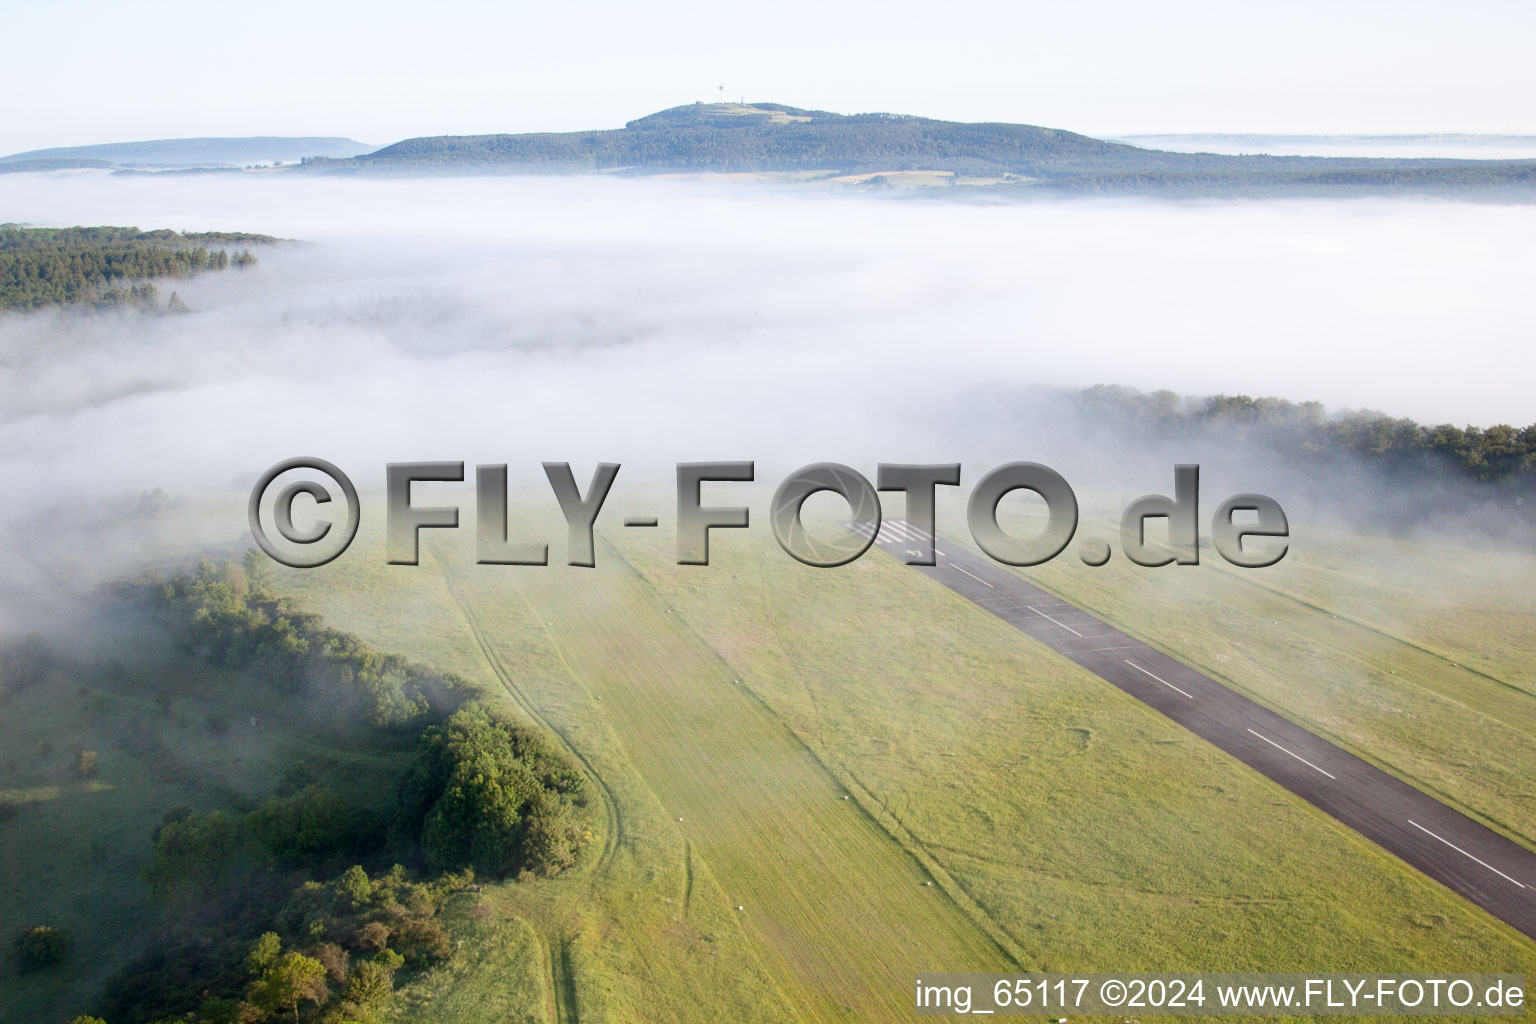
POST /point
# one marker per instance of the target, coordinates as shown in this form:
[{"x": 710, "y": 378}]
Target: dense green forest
[
  {"x": 1303, "y": 430},
  {"x": 317, "y": 901},
  {"x": 227, "y": 615},
  {"x": 771, "y": 137},
  {"x": 109, "y": 266}
]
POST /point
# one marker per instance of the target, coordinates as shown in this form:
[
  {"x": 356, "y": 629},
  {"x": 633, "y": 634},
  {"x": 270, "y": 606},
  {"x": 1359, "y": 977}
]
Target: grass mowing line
[
  {"x": 870, "y": 807},
  {"x": 472, "y": 607},
  {"x": 1421, "y": 648},
  {"x": 954, "y": 889},
  {"x": 615, "y": 831},
  {"x": 562, "y": 984},
  {"x": 783, "y": 988},
  {"x": 1023, "y": 868},
  {"x": 817, "y": 717},
  {"x": 1368, "y": 627},
  {"x": 687, "y": 876},
  {"x": 1325, "y": 819},
  {"x": 808, "y": 869},
  {"x": 1449, "y": 799},
  {"x": 1427, "y": 651},
  {"x": 551, "y": 974}
]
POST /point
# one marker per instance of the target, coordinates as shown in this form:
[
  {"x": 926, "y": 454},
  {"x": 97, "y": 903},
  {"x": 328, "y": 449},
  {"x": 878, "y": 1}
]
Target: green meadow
[
  {"x": 731, "y": 709},
  {"x": 1415, "y": 654},
  {"x": 810, "y": 785}
]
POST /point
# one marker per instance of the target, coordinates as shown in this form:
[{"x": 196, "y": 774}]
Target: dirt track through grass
[
  {"x": 841, "y": 912},
  {"x": 562, "y": 987}
]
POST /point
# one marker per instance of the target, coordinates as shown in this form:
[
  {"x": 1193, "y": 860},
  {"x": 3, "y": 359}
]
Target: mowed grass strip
[
  {"x": 842, "y": 910},
  {"x": 1097, "y": 833},
  {"x": 638, "y": 930},
  {"x": 1100, "y": 834},
  {"x": 1316, "y": 638}
]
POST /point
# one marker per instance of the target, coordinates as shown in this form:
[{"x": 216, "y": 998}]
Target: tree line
[
  {"x": 108, "y": 266},
  {"x": 316, "y": 902},
  {"x": 1305, "y": 431},
  {"x": 227, "y": 614}
]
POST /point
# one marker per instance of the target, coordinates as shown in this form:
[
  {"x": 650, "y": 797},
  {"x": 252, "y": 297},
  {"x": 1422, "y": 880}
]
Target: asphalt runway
[{"x": 1468, "y": 858}]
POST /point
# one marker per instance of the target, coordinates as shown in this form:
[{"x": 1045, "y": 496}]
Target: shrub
[
  {"x": 336, "y": 960},
  {"x": 41, "y": 947},
  {"x": 196, "y": 853},
  {"x": 311, "y": 823},
  {"x": 293, "y": 979},
  {"x": 372, "y": 936},
  {"x": 486, "y": 792},
  {"x": 373, "y": 981},
  {"x": 263, "y": 953}
]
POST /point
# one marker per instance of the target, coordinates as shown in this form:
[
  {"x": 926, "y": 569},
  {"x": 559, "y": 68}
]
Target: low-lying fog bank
[{"x": 522, "y": 319}]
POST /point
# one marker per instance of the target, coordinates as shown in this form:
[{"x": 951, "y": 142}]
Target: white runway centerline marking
[
  {"x": 1058, "y": 622},
  {"x": 1159, "y": 678},
  {"x": 1464, "y": 853},
  {"x": 972, "y": 575},
  {"x": 1297, "y": 756}
]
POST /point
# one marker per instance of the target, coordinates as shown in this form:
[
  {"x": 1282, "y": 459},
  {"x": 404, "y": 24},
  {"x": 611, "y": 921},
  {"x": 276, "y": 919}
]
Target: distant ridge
[
  {"x": 1454, "y": 145},
  {"x": 817, "y": 148},
  {"x": 184, "y": 153},
  {"x": 879, "y": 150},
  {"x": 758, "y": 137}
]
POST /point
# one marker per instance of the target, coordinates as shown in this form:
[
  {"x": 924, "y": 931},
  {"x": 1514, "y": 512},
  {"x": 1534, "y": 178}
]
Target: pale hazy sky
[{"x": 85, "y": 71}]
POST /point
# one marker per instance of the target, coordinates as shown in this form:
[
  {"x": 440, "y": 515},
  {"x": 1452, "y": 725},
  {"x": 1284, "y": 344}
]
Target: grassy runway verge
[
  {"x": 1414, "y": 655},
  {"x": 1065, "y": 826}
]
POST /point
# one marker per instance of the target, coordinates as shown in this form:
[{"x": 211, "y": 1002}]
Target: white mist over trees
[{"x": 523, "y": 319}]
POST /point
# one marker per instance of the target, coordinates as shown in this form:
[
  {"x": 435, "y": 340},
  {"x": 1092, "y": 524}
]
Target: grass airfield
[
  {"x": 834, "y": 741},
  {"x": 1417, "y": 655},
  {"x": 1063, "y": 825}
]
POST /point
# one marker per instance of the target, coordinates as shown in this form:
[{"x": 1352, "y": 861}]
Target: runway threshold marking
[
  {"x": 1159, "y": 678},
  {"x": 1297, "y": 756},
  {"x": 1464, "y": 853},
  {"x": 1042, "y": 614}
]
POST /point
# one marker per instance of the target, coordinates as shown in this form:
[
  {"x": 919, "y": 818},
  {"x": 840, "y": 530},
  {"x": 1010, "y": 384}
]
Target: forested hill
[
  {"x": 771, "y": 138},
  {"x": 109, "y": 266}
]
